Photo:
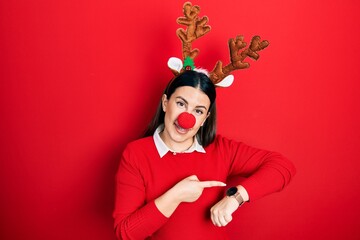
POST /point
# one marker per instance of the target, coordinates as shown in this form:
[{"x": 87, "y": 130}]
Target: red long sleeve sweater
[{"x": 143, "y": 176}]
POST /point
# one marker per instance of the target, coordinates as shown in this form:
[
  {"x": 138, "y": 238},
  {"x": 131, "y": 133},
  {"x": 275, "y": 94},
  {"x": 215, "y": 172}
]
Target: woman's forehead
[{"x": 192, "y": 95}]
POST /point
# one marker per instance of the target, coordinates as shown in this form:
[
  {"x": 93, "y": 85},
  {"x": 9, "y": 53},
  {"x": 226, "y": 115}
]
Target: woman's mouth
[{"x": 180, "y": 129}]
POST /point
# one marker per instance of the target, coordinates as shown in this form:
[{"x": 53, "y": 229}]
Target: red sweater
[{"x": 143, "y": 176}]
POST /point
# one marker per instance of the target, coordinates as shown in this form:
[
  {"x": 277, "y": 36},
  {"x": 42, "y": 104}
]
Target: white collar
[{"x": 163, "y": 149}]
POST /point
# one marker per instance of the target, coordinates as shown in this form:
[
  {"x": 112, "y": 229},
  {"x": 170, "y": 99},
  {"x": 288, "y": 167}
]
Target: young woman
[{"x": 171, "y": 183}]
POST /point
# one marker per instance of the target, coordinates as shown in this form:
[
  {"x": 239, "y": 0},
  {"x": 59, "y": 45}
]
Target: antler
[
  {"x": 196, "y": 28},
  {"x": 237, "y": 58}
]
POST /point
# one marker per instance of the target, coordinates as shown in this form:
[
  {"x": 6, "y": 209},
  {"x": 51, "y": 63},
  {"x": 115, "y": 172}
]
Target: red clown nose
[{"x": 186, "y": 120}]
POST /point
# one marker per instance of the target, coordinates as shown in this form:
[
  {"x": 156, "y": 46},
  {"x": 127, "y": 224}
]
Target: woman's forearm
[{"x": 167, "y": 203}]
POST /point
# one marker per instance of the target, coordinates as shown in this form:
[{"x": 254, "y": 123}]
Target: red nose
[{"x": 186, "y": 120}]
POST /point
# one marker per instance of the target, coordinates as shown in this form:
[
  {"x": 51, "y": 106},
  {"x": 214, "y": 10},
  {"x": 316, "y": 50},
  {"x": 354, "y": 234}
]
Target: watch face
[{"x": 231, "y": 191}]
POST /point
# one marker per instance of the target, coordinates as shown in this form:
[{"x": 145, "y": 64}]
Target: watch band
[{"x": 239, "y": 198}]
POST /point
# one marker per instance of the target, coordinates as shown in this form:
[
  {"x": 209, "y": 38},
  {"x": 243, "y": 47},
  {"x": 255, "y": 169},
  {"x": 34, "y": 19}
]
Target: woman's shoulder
[
  {"x": 224, "y": 143},
  {"x": 221, "y": 140},
  {"x": 139, "y": 148},
  {"x": 141, "y": 143}
]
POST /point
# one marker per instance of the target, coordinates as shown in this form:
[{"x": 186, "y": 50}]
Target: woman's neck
[{"x": 176, "y": 147}]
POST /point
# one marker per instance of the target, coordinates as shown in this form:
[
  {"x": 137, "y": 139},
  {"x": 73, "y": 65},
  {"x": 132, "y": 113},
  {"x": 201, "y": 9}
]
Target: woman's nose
[{"x": 186, "y": 120}]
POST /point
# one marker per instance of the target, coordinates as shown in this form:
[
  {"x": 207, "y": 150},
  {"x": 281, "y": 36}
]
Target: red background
[{"x": 80, "y": 79}]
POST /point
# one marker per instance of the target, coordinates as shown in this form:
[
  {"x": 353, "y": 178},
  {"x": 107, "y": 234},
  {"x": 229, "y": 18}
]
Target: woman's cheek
[{"x": 198, "y": 122}]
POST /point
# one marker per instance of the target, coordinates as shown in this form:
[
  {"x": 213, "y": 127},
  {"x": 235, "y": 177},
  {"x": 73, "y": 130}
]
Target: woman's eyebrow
[
  {"x": 199, "y": 106},
  {"x": 182, "y": 99}
]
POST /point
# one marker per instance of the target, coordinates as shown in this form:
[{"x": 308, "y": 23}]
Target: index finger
[{"x": 207, "y": 184}]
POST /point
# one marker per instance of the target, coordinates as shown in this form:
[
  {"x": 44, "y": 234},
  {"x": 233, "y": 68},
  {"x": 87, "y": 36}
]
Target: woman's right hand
[
  {"x": 187, "y": 190},
  {"x": 190, "y": 189}
]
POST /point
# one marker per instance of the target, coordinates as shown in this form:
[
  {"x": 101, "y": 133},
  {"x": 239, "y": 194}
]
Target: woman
[{"x": 171, "y": 183}]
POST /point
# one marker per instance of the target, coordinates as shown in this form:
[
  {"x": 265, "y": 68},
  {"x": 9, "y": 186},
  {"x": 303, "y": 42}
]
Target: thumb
[{"x": 193, "y": 178}]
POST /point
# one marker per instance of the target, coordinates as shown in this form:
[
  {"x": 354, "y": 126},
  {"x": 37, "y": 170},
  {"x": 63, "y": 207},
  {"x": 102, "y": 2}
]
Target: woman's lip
[{"x": 180, "y": 129}]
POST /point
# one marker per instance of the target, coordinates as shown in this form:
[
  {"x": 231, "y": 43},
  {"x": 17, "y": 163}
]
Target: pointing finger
[{"x": 207, "y": 184}]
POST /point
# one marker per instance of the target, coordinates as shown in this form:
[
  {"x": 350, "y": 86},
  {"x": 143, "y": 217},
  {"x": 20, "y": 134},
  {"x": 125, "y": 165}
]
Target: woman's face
[{"x": 184, "y": 99}]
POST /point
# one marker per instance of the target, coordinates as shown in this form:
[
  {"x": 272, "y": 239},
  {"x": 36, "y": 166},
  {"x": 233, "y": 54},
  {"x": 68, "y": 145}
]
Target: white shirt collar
[{"x": 163, "y": 149}]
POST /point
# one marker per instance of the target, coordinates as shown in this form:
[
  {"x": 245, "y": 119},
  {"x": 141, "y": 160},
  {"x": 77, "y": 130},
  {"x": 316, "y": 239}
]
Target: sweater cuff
[
  {"x": 243, "y": 193},
  {"x": 158, "y": 218},
  {"x": 142, "y": 223},
  {"x": 251, "y": 187}
]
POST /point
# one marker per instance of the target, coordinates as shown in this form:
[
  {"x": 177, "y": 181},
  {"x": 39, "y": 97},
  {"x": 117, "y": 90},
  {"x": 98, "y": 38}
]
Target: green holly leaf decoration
[{"x": 189, "y": 64}]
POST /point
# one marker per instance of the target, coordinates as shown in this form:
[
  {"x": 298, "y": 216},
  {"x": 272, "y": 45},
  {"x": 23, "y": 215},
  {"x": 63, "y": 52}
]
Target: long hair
[{"x": 207, "y": 132}]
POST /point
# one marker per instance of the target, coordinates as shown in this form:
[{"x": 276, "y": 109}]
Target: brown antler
[
  {"x": 196, "y": 28},
  {"x": 237, "y": 58}
]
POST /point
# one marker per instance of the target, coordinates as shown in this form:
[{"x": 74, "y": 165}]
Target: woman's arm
[
  {"x": 136, "y": 219},
  {"x": 263, "y": 172},
  {"x": 187, "y": 190}
]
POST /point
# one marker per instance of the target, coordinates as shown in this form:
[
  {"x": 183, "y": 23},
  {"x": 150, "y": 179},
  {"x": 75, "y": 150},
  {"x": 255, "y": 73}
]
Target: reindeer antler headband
[{"x": 196, "y": 28}]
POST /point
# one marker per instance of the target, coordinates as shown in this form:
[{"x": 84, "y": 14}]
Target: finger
[
  {"x": 214, "y": 216},
  {"x": 224, "y": 219},
  {"x": 228, "y": 218},
  {"x": 215, "y": 220},
  {"x": 207, "y": 184}
]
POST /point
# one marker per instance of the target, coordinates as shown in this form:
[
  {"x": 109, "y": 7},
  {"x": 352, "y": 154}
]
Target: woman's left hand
[{"x": 221, "y": 213}]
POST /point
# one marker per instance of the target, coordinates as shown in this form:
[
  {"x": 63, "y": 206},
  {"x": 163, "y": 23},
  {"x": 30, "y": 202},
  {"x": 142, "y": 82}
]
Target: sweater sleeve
[
  {"x": 264, "y": 171},
  {"x": 134, "y": 218}
]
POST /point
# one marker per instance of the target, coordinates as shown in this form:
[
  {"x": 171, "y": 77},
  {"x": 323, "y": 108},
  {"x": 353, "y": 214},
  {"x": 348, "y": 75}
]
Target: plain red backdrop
[{"x": 80, "y": 79}]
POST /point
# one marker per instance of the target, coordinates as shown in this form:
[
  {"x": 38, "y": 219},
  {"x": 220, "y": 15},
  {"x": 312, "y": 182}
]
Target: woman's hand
[
  {"x": 187, "y": 190},
  {"x": 221, "y": 213},
  {"x": 191, "y": 188}
]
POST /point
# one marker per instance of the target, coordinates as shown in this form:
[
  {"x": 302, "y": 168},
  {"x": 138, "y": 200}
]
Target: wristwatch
[{"x": 234, "y": 192}]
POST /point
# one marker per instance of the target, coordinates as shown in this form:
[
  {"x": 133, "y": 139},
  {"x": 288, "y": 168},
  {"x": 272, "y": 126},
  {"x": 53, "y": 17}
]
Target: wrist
[
  {"x": 174, "y": 196},
  {"x": 234, "y": 193}
]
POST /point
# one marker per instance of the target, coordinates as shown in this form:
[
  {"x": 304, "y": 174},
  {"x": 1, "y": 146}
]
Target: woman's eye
[
  {"x": 199, "y": 112},
  {"x": 180, "y": 104}
]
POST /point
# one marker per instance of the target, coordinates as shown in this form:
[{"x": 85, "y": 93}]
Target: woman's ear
[
  {"x": 164, "y": 102},
  {"x": 205, "y": 119}
]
